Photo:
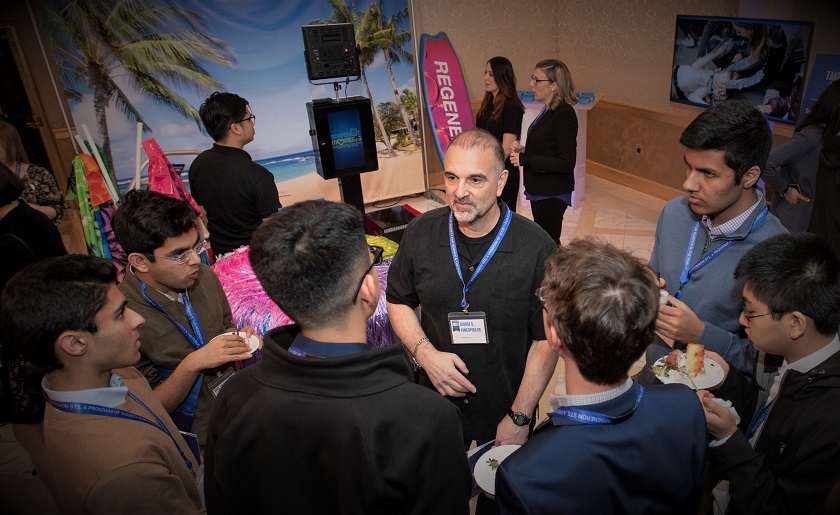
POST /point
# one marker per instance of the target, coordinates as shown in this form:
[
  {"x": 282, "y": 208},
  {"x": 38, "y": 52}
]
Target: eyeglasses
[
  {"x": 185, "y": 256},
  {"x": 750, "y": 317},
  {"x": 534, "y": 79},
  {"x": 540, "y": 293},
  {"x": 253, "y": 119},
  {"x": 376, "y": 254}
]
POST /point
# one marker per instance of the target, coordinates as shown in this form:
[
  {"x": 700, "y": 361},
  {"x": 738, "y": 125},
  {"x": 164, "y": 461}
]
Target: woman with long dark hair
[
  {"x": 548, "y": 161},
  {"x": 825, "y": 217},
  {"x": 501, "y": 115},
  {"x": 792, "y": 167}
]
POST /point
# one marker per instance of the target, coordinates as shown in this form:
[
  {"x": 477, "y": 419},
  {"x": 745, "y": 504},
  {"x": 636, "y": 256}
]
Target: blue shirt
[{"x": 316, "y": 349}]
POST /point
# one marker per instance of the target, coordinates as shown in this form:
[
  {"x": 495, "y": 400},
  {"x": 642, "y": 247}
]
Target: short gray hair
[{"x": 480, "y": 138}]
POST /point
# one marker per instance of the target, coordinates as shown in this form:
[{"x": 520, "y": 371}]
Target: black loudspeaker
[
  {"x": 330, "y": 51},
  {"x": 342, "y": 136}
]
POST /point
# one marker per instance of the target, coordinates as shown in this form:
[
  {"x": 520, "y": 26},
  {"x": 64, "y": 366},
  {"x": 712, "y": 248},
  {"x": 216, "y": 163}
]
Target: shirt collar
[
  {"x": 179, "y": 299},
  {"x": 730, "y": 227},
  {"x": 506, "y": 245},
  {"x": 559, "y": 401},
  {"x": 110, "y": 396},
  {"x": 230, "y": 150},
  {"x": 316, "y": 349},
  {"x": 804, "y": 365}
]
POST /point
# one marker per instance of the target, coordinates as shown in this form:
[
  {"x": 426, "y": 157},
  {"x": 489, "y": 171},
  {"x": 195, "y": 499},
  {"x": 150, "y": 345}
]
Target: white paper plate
[
  {"x": 712, "y": 377},
  {"x": 484, "y": 473},
  {"x": 253, "y": 341}
]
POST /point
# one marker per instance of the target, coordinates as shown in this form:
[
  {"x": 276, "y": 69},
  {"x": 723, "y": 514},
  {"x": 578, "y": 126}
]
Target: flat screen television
[
  {"x": 343, "y": 138},
  {"x": 727, "y": 59}
]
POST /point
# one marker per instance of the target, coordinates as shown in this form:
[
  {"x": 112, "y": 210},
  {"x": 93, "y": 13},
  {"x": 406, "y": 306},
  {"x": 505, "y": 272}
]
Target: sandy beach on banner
[{"x": 400, "y": 175}]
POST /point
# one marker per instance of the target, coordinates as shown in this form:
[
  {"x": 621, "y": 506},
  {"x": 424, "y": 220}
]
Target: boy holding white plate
[
  {"x": 787, "y": 459},
  {"x": 186, "y": 311}
]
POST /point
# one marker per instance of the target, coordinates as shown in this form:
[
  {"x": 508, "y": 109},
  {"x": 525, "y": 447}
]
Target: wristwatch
[{"x": 520, "y": 419}]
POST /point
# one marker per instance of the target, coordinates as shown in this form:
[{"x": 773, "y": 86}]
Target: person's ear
[
  {"x": 503, "y": 177},
  {"x": 72, "y": 343},
  {"x": 551, "y": 335},
  {"x": 798, "y": 324},
  {"x": 140, "y": 262},
  {"x": 369, "y": 292},
  {"x": 750, "y": 177}
]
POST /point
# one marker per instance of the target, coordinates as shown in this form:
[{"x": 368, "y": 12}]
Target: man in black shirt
[
  {"x": 496, "y": 365},
  {"x": 236, "y": 194}
]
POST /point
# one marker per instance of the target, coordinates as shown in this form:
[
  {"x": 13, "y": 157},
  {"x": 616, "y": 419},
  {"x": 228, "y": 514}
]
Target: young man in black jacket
[
  {"x": 786, "y": 460},
  {"x": 325, "y": 424}
]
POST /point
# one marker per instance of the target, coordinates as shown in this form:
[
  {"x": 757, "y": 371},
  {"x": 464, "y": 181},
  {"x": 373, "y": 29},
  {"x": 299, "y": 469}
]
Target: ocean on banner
[{"x": 290, "y": 166}]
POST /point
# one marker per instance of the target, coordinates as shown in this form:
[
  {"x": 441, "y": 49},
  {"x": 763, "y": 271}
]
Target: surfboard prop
[{"x": 444, "y": 90}]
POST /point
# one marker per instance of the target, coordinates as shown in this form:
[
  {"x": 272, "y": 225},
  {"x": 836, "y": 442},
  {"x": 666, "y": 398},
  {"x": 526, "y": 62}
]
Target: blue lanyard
[
  {"x": 17, "y": 168},
  {"x": 95, "y": 409},
  {"x": 759, "y": 419},
  {"x": 687, "y": 270},
  {"x": 487, "y": 255},
  {"x": 542, "y": 112},
  {"x": 196, "y": 337},
  {"x": 593, "y": 418}
]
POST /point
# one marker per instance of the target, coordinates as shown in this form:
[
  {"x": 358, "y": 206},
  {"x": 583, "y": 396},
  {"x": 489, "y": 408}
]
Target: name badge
[
  {"x": 219, "y": 381},
  {"x": 192, "y": 442},
  {"x": 468, "y": 328}
]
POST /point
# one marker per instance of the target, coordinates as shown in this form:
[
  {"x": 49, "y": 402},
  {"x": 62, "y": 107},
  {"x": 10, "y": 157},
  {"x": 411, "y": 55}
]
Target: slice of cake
[{"x": 695, "y": 355}]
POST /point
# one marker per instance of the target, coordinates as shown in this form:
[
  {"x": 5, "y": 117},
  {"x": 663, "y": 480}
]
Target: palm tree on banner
[
  {"x": 395, "y": 38},
  {"x": 150, "y": 46},
  {"x": 369, "y": 38}
]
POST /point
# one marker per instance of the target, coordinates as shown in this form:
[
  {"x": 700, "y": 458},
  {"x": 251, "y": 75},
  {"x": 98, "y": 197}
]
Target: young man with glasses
[
  {"x": 325, "y": 424},
  {"x": 183, "y": 351},
  {"x": 785, "y": 457},
  {"x": 236, "y": 194},
  {"x": 609, "y": 445}
]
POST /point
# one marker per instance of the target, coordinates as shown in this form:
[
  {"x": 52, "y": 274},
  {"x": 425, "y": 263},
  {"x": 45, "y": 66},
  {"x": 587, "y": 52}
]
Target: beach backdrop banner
[
  {"x": 444, "y": 90},
  {"x": 155, "y": 62}
]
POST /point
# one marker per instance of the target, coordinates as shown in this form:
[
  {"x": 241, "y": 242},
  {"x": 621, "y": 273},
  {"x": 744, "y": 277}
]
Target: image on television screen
[
  {"x": 346, "y": 136},
  {"x": 725, "y": 59}
]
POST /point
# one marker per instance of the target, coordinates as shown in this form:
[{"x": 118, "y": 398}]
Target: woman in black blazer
[{"x": 549, "y": 160}]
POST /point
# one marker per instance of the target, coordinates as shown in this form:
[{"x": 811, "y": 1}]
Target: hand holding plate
[{"x": 720, "y": 422}]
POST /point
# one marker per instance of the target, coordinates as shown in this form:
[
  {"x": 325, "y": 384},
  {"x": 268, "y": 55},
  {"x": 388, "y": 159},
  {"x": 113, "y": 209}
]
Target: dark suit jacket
[
  {"x": 652, "y": 462},
  {"x": 549, "y": 158}
]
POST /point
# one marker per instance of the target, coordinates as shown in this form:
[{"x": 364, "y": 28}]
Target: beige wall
[
  {"x": 622, "y": 49},
  {"x": 524, "y": 32},
  {"x": 625, "y": 49}
]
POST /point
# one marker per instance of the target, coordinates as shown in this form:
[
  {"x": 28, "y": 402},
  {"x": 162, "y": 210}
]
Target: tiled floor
[{"x": 614, "y": 213}]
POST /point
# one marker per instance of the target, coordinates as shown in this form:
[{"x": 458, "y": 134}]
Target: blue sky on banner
[{"x": 270, "y": 72}]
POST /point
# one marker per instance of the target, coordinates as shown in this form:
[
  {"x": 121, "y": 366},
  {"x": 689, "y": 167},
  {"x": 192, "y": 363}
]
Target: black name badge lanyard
[{"x": 466, "y": 327}]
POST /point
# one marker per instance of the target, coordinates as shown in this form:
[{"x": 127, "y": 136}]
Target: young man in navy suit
[{"x": 610, "y": 445}]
